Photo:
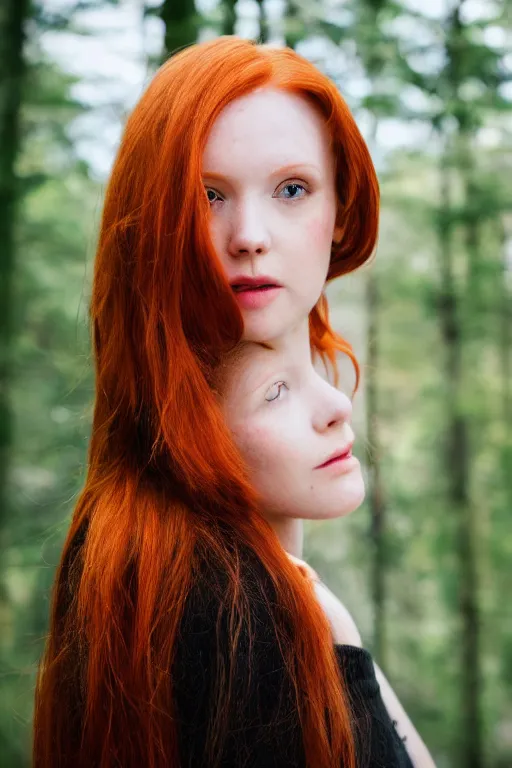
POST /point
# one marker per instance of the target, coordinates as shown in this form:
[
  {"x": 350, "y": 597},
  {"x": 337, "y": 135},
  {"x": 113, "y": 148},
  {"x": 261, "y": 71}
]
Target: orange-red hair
[{"x": 165, "y": 483}]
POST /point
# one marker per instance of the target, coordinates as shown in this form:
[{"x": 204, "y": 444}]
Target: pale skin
[
  {"x": 286, "y": 420},
  {"x": 345, "y": 632},
  {"x": 269, "y": 174}
]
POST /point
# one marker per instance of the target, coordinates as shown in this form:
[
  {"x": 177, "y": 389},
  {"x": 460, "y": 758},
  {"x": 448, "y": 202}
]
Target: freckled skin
[
  {"x": 255, "y": 225},
  {"x": 284, "y": 439}
]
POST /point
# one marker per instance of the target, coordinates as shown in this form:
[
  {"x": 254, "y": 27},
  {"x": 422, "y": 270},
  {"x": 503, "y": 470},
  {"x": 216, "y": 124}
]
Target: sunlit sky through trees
[{"x": 111, "y": 63}]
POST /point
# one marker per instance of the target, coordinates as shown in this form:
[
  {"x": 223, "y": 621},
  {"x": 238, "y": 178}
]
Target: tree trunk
[
  {"x": 375, "y": 490},
  {"x": 264, "y": 30},
  {"x": 457, "y": 464},
  {"x": 12, "y": 17},
  {"x": 180, "y": 19},
  {"x": 292, "y": 25},
  {"x": 229, "y": 20},
  {"x": 369, "y": 14},
  {"x": 461, "y": 330},
  {"x": 506, "y": 318}
]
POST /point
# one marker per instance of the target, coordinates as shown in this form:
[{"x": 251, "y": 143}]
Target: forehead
[
  {"x": 246, "y": 368},
  {"x": 280, "y": 128},
  {"x": 252, "y": 365}
]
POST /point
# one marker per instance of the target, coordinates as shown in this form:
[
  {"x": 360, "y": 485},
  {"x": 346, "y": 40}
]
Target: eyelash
[
  {"x": 288, "y": 184},
  {"x": 278, "y": 384}
]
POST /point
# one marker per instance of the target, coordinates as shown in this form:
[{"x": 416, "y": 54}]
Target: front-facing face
[
  {"x": 269, "y": 174},
  {"x": 289, "y": 423}
]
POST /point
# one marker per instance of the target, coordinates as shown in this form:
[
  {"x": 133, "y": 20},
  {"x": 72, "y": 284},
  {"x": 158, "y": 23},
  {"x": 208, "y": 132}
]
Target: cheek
[
  {"x": 277, "y": 460},
  {"x": 313, "y": 246},
  {"x": 259, "y": 446},
  {"x": 274, "y": 452},
  {"x": 217, "y": 236},
  {"x": 309, "y": 273},
  {"x": 320, "y": 229}
]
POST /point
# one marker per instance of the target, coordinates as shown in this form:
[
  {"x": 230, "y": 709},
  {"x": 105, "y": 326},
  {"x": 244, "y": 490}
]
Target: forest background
[{"x": 424, "y": 565}]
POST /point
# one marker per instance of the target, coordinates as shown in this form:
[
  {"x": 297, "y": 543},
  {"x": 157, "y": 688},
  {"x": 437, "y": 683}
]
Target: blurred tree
[
  {"x": 455, "y": 72},
  {"x": 13, "y": 18},
  {"x": 464, "y": 319},
  {"x": 264, "y": 25},
  {"x": 445, "y": 239},
  {"x": 294, "y": 27},
  {"x": 372, "y": 46},
  {"x": 228, "y": 17},
  {"x": 181, "y": 24},
  {"x": 505, "y": 230},
  {"x": 55, "y": 198}
]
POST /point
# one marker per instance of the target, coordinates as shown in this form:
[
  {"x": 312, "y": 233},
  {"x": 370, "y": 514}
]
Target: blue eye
[
  {"x": 277, "y": 389},
  {"x": 208, "y": 190},
  {"x": 295, "y": 185},
  {"x": 291, "y": 185}
]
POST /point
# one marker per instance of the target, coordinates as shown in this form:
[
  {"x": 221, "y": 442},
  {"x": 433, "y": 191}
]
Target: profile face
[
  {"x": 289, "y": 423},
  {"x": 269, "y": 174}
]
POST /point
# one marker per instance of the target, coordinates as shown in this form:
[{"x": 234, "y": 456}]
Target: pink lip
[
  {"x": 253, "y": 282},
  {"x": 337, "y": 457},
  {"x": 255, "y": 292}
]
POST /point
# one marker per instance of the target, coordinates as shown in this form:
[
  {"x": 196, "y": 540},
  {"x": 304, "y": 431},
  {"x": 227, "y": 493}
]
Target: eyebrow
[
  {"x": 252, "y": 382},
  {"x": 269, "y": 377},
  {"x": 276, "y": 172}
]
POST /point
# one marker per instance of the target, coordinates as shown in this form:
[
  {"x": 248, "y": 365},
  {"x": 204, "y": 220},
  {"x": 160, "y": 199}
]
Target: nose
[
  {"x": 249, "y": 235},
  {"x": 334, "y": 408}
]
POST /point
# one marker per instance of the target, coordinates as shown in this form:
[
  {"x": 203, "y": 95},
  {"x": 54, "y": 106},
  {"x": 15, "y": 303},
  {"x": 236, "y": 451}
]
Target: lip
[
  {"x": 255, "y": 292},
  {"x": 340, "y": 455},
  {"x": 257, "y": 281}
]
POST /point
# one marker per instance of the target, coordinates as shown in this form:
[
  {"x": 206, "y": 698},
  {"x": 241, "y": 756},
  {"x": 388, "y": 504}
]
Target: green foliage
[{"x": 53, "y": 384}]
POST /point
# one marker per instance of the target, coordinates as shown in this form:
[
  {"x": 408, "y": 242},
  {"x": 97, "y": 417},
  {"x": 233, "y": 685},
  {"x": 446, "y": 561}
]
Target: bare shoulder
[
  {"x": 345, "y": 632},
  {"x": 344, "y": 627}
]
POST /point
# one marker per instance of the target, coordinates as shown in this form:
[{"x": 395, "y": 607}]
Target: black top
[{"x": 262, "y": 725}]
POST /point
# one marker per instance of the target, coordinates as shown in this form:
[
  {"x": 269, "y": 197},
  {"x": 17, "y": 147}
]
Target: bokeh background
[{"x": 425, "y": 564}]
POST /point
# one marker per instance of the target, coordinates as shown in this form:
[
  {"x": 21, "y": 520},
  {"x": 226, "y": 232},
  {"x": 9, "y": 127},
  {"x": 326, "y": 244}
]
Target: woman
[
  {"x": 294, "y": 431},
  {"x": 167, "y": 500}
]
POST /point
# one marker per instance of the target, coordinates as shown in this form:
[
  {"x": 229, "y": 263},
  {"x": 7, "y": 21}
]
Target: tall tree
[
  {"x": 463, "y": 314},
  {"x": 464, "y": 326},
  {"x": 376, "y": 489},
  {"x": 371, "y": 47},
  {"x": 467, "y": 278},
  {"x": 228, "y": 17},
  {"x": 295, "y": 28},
  {"x": 505, "y": 229},
  {"x": 181, "y": 23},
  {"x": 13, "y": 15},
  {"x": 264, "y": 24},
  {"x": 457, "y": 448}
]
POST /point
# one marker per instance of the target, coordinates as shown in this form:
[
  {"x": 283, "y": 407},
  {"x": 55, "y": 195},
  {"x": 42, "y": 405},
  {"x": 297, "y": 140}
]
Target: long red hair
[{"x": 165, "y": 483}]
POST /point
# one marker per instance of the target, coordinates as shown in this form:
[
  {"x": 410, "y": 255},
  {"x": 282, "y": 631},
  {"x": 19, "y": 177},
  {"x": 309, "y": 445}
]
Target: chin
[
  {"x": 267, "y": 326},
  {"x": 349, "y": 498},
  {"x": 353, "y": 500},
  {"x": 331, "y": 508},
  {"x": 259, "y": 331}
]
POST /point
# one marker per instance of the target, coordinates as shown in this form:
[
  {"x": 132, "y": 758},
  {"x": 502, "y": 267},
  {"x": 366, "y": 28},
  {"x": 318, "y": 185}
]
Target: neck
[{"x": 290, "y": 532}]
